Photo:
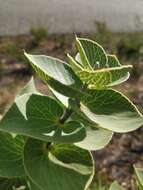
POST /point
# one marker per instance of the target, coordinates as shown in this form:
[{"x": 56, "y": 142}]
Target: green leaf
[
  {"x": 42, "y": 121},
  {"x": 102, "y": 78},
  {"x": 93, "y": 56},
  {"x": 58, "y": 167},
  {"x": 29, "y": 88},
  {"x": 13, "y": 184},
  {"x": 111, "y": 110},
  {"x": 95, "y": 68},
  {"x": 33, "y": 186},
  {"x": 139, "y": 174},
  {"x": 63, "y": 99},
  {"x": 11, "y": 152},
  {"x": 96, "y": 137},
  {"x": 37, "y": 116},
  {"x": 25, "y": 93},
  {"x": 56, "y": 73},
  {"x": 93, "y": 131},
  {"x": 115, "y": 186}
]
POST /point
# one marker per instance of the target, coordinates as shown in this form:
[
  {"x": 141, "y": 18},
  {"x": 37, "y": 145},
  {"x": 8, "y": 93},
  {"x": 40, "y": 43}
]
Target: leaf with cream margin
[
  {"x": 111, "y": 110},
  {"x": 58, "y": 74},
  {"x": 42, "y": 120},
  {"x": 112, "y": 60},
  {"x": 93, "y": 131},
  {"x": 23, "y": 96},
  {"x": 59, "y": 166},
  {"x": 35, "y": 115},
  {"x": 92, "y": 54},
  {"x": 101, "y": 78},
  {"x": 96, "y": 68},
  {"x": 96, "y": 137},
  {"x": 11, "y": 163},
  {"x": 63, "y": 99}
]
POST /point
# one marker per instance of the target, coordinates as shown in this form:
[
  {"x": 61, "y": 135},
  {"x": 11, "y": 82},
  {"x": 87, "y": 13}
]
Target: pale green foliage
[{"x": 54, "y": 135}]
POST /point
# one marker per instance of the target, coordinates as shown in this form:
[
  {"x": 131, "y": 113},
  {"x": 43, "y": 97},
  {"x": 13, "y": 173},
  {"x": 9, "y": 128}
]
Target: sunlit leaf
[
  {"x": 93, "y": 56},
  {"x": 104, "y": 78},
  {"x": 56, "y": 73},
  {"x": 111, "y": 110},
  {"x": 96, "y": 137},
  {"x": 42, "y": 121},
  {"x": 101, "y": 78}
]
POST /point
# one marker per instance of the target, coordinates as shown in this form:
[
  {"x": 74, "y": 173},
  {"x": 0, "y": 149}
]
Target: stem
[
  {"x": 68, "y": 111},
  {"x": 66, "y": 115}
]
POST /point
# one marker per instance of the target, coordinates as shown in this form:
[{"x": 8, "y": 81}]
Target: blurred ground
[{"x": 117, "y": 159}]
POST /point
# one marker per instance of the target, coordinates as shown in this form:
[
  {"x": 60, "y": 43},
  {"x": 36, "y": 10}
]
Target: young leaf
[
  {"x": 96, "y": 68},
  {"x": 58, "y": 167},
  {"x": 91, "y": 54},
  {"x": 56, "y": 73},
  {"x": 115, "y": 186},
  {"x": 111, "y": 110},
  {"x": 101, "y": 78},
  {"x": 11, "y": 161}
]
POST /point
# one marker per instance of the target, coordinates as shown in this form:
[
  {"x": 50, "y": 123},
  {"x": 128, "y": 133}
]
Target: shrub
[
  {"x": 46, "y": 142},
  {"x": 38, "y": 34}
]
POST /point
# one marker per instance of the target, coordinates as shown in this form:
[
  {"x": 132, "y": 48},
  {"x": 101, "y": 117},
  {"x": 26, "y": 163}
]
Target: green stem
[
  {"x": 68, "y": 111},
  {"x": 66, "y": 115}
]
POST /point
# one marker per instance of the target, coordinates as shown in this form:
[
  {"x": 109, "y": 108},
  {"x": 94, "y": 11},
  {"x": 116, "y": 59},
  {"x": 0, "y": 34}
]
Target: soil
[{"x": 114, "y": 162}]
